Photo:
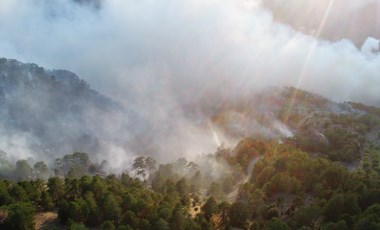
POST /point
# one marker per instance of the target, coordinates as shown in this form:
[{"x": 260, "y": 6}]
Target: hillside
[
  {"x": 292, "y": 160},
  {"x": 48, "y": 113}
]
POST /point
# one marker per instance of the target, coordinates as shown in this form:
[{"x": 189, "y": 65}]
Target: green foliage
[
  {"x": 143, "y": 166},
  {"x": 20, "y": 215},
  {"x": 340, "y": 225},
  {"x": 209, "y": 208},
  {"x": 73, "y": 165},
  {"x": 41, "y": 170},
  {"x": 23, "y": 170},
  {"x": 370, "y": 219},
  {"x": 307, "y": 216},
  {"x": 107, "y": 225},
  {"x": 276, "y": 224},
  {"x": 110, "y": 208},
  {"x": 56, "y": 188},
  {"x": 288, "y": 189},
  {"x": 344, "y": 146},
  {"x": 238, "y": 215}
]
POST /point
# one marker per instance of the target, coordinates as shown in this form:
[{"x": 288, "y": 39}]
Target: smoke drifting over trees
[
  {"x": 201, "y": 114},
  {"x": 172, "y": 62}
]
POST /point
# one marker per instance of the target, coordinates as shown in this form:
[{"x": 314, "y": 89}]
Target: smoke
[
  {"x": 330, "y": 19},
  {"x": 182, "y": 49},
  {"x": 174, "y": 62}
]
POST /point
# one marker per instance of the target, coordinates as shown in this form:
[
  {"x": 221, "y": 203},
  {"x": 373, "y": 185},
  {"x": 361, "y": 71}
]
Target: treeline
[
  {"x": 286, "y": 189},
  {"x": 111, "y": 202},
  {"x": 70, "y": 165}
]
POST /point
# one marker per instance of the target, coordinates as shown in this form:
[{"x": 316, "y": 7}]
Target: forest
[
  {"x": 261, "y": 184},
  {"x": 190, "y": 115},
  {"x": 326, "y": 176}
]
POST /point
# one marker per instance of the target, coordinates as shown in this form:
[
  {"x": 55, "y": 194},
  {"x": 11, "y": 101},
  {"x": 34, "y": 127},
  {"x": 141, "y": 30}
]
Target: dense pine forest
[{"x": 296, "y": 183}]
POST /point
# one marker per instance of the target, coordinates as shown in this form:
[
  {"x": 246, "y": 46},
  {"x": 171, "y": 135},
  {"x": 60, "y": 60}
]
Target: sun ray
[{"x": 308, "y": 57}]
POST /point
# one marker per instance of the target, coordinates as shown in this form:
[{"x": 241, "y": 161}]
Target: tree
[
  {"x": 238, "y": 215},
  {"x": 77, "y": 164},
  {"x": 196, "y": 180},
  {"x": 150, "y": 164},
  {"x": 98, "y": 187},
  {"x": 334, "y": 208},
  {"x": 162, "y": 225},
  {"x": 110, "y": 207},
  {"x": 107, "y": 225},
  {"x": 223, "y": 211},
  {"x": 73, "y": 188},
  {"x": 23, "y": 170},
  {"x": 145, "y": 224},
  {"x": 216, "y": 191},
  {"x": 139, "y": 166},
  {"x": 56, "y": 188},
  {"x": 209, "y": 208},
  {"x": 41, "y": 170},
  {"x": 95, "y": 217},
  {"x": 131, "y": 219},
  {"x": 340, "y": 225},
  {"x": 4, "y": 195},
  {"x": 182, "y": 186},
  {"x": 77, "y": 226},
  {"x": 370, "y": 219},
  {"x": 178, "y": 220},
  {"x": 74, "y": 211},
  {"x": 158, "y": 183},
  {"x": 20, "y": 216},
  {"x": 276, "y": 224},
  {"x": 307, "y": 216},
  {"x": 18, "y": 193},
  {"x": 46, "y": 201},
  {"x": 144, "y": 165}
]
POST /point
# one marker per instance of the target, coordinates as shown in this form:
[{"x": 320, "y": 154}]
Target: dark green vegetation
[
  {"x": 326, "y": 176},
  {"x": 288, "y": 189}
]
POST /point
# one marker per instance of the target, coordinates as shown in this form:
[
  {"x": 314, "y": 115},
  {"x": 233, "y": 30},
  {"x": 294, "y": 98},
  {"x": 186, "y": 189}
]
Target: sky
[
  {"x": 158, "y": 57},
  {"x": 141, "y": 49},
  {"x": 352, "y": 19}
]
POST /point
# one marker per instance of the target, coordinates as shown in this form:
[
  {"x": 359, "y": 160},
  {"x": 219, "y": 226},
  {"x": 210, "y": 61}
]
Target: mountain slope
[
  {"x": 45, "y": 114},
  {"x": 53, "y": 112}
]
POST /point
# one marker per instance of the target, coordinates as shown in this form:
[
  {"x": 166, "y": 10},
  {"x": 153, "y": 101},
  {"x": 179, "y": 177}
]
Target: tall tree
[
  {"x": 238, "y": 215},
  {"x": 20, "y": 216},
  {"x": 41, "y": 170},
  {"x": 56, "y": 188},
  {"x": 209, "y": 208},
  {"x": 23, "y": 170}
]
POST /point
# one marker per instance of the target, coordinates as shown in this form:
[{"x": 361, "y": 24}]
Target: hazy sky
[
  {"x": 335, "y": 19},
  {"x": 158, "y": 57},
  {"x": 137, "y": 45},
  {"x": 144, "y": 48}
]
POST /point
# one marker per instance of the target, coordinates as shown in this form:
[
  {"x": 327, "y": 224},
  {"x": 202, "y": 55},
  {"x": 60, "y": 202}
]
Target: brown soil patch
[{"x": 43, "y": 219}]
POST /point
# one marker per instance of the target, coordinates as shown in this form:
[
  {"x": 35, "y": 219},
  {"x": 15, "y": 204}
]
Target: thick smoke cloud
[
  {"x": 148, "y": 48},
  {"x": 173, "y": 60}
]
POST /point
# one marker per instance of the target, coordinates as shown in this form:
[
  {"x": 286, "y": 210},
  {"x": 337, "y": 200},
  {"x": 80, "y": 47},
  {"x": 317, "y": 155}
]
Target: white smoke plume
[{"x": 173, "y": 60}]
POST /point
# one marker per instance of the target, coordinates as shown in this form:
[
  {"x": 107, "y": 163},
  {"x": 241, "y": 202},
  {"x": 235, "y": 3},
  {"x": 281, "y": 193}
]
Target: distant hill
[
  {"x": 45, "y": 114},
  {"x": 53, "y": 112}
]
